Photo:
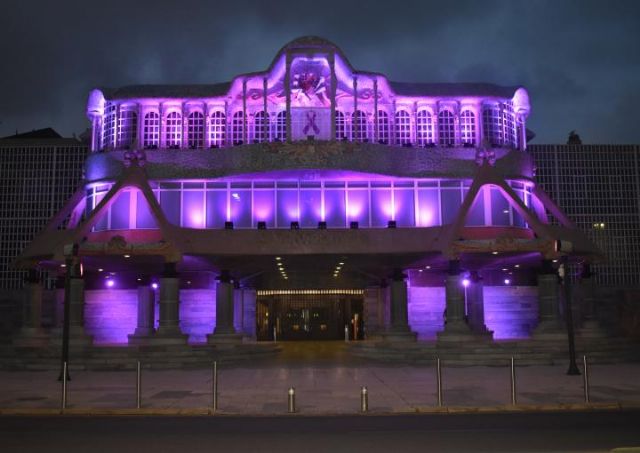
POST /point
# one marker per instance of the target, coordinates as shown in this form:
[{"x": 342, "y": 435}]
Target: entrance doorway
[{"x": 309, "y": 315}]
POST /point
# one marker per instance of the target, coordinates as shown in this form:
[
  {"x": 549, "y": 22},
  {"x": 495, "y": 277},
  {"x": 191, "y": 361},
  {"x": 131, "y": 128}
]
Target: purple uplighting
[{"x": 110, "y": 283}]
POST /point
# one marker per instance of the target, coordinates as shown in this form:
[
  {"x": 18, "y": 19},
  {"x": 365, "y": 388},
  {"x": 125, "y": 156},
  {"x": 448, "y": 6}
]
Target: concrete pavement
[{"x": 327, "y": 381}]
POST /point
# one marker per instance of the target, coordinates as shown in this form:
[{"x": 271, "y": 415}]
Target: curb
[{"x": 200, "y": 412}]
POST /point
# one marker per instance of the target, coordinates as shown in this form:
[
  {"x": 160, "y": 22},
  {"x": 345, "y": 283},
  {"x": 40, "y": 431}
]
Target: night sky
[{"x": 580, "y": 60}]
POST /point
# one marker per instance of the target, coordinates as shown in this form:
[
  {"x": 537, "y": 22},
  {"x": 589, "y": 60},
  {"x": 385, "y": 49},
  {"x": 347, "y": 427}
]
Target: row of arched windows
[{"x": 498, "y": 122}]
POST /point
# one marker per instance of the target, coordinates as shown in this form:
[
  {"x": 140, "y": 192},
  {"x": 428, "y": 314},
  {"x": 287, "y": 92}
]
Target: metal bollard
[
  {"x": 214, "y": 387},
  {"x": 513, "y": 382},
  {"x": 585, "y": 379},
  {"x": 138, "y": 385},
  {"x": 292, "y": 400},
  {"x": 346, "y": 333},
  {"x": 364, "y": 399},
  {"x": 439, "y": 381},
  {"x": 63, "y": 403},
  {"x": 275, "y": 335}
]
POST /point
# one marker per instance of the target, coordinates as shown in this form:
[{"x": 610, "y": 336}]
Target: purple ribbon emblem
[{"x": 311, "y": 124}]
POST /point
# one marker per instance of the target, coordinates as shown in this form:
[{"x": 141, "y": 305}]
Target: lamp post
[
  {"x": 70, "y": 253},
  {"x": 573, "y": 367}
]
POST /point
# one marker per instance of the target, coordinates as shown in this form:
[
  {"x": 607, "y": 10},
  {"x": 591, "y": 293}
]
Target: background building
[
  {"x": 598, "y": 187},
  {"x": 39, "y": 171}
]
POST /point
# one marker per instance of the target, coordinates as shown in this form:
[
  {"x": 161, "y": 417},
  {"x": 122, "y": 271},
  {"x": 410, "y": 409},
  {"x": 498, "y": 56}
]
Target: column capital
[
  {"x": 398, "y": 275},
  {"x": 170, "y": 270},
  {"x": 454, "y": 267},
  {"x": 225, "y": 276}
]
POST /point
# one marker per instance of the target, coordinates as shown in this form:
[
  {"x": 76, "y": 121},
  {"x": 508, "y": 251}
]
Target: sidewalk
[{"x": 321, "y": 388}]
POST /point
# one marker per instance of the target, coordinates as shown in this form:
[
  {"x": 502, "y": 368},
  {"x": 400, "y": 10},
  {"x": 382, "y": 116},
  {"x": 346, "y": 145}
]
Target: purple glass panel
[
  {"x": 358, "y": 207},
  {"x": 240, "y": 206},
  {"x": 428, "y": 207},
  {"x": 335, "y": 208},
  {"x": 216, "y": 208},
  {"x": 103, "y": 221},
  {"x": 381, "y": 207},
  {"x": 404, "y": 207},
  {"x": 193, "y": 209},
  {"x": 475, "y": 216},
  {"x": 287, "y": 207},
  {"x": 264, "y": 207},
  {"x": 120, "y": 211},
  {"x": 144, "y": 218},
  {"x": 500, "y": 209},
  {"x": 170, "y": 204},
  {"x": 310, "y": 207},
  {"x": 450, "y": 204}
]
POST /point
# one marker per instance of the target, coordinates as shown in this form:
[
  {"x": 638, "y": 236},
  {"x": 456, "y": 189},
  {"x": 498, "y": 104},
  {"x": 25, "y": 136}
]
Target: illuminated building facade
[{"x": 308, "y": 200}]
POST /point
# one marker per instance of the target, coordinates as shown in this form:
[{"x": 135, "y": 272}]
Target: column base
[
  {"x": 549, "y": 330},
  {"x": 391, "y": 336},
  {"x": 224, "y": 338},
  {"x": 34, "y": 337},
  {"x": 591, "y": 330},
  {"x": 141, "y": 337},
  {"x": 459, "y": 331},
  {"x": 169, "y": 335}
]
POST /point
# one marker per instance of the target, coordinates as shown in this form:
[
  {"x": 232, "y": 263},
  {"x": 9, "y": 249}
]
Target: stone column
[
  {"x": 590, "y": 326},
  {"x": 58, "y": 309},
  {"x": 549, "y": 321},
  {"x": 224, "y": 332},
  {"x": 455, "y": 327},
  {"x": 399, "y": 327},
  {"x": 475, "y": 304},
  {"x": 249, "y": 297},
  {"x": 145, "y": 325},
  {"x": 77, "y": 334},
  {"x": 169, "y": 323},
  {"x": 31, "y": 333}
]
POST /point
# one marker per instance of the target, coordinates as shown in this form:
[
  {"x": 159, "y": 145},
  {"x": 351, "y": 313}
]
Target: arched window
[
  {"x": 109, "y": 126},
  {"x": 383, "y": 127},
  {"x": 151, "y": 130},
  {"x": 403, "y": 127},
  {"x": 261, "y": 118},
  {"x": 341, "y": 130},
  {"x": 281, "y": 126},
  {"x": 195, "y": 130},
  {"x": 359, "y": 126},
  {"x": 174, "y": 130},
  {"x": 446, "y": 129},
  {"x": 237, "y": 128},
  {"x": 492, "y": 124},
  {"x": 217, "y": 131},
  {"x": 127, "y": 126},
  {"x": 424, "y": 128},
  {"x": 468, "y": 128}
]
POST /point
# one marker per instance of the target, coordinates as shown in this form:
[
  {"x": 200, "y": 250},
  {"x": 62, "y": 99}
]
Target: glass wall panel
[
  {"x": 120, "y": 211},
  {"x": 170, "y": 204},
  {"x": 103, "y": 221},
  {"x": 310, "y": 207},
  {"x": 216, "y": 208},
  {"x": 381, "y": 207},
  {"x": 518, "y": 220},
  {"x": 358, "y": 206},
  {"x": 240, "y": 207},
  {"x": 193, "y": 209},
  {"x": 450, "y": 204},
  {"x": 264, "y": 207},
  {"x": 335, "y": 208},
  {"x": 404, "y": 207},
  {"x": 144, "y": 218},
  {"x": 500, "y": 210},
  {"x": 475, "y": 216},
  {"x": 428, "y": 208},
  {"x": 287, "y": 207}
]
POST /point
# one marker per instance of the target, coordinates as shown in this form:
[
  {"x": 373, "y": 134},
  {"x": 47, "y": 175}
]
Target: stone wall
[{"x": 426, "y": 309}]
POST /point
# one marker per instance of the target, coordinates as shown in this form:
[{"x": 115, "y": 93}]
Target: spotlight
[
  {"x": 154, "y": 285},
  {"x": 295, "y": 225},
  {"x": 100, "y": 270},
  {"x": 228, "y": 225},
  {"x": 391, "y": 224},
  {"x": 507, "y": 281},
  {"x": 465, "y": 282},
  {"x": 127, "y": 256},
  {"x": 110, "y": 283},
  {"x": 278, "y": 258},
  {"x": 494, "y": 253},
  {"x": 322, "y": 225},
  {"x": 262, "y": 225},
  {"x": 353, "y": 225}
]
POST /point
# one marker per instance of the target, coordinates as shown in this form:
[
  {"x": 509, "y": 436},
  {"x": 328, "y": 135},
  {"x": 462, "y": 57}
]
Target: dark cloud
[{"x": 580, "y": 59}]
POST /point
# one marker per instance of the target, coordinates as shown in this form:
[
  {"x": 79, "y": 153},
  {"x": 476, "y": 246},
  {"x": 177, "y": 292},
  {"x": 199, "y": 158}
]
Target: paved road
[{"x": 551, "y": 432}]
